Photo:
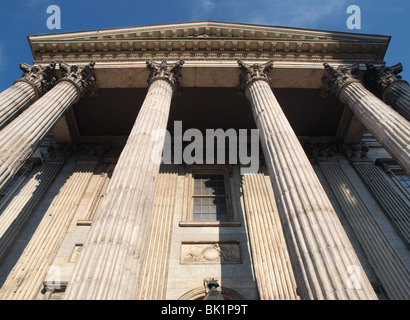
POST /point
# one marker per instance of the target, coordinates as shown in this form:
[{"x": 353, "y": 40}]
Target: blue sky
[{"x": 27, "y": 17}]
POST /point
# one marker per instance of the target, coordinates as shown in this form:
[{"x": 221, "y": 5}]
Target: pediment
[{"x": 207, "y": 37}]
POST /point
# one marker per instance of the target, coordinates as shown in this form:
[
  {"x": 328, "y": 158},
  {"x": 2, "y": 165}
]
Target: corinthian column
[
  {"x": 387, "y": 85},
  {"x": 20, "y": 138},
  {"x": 34, "y": 83},
  {"x": 390, "y": 128},
  {"x": 321, "y": 254},
  {"x": 111, "y": 260}
]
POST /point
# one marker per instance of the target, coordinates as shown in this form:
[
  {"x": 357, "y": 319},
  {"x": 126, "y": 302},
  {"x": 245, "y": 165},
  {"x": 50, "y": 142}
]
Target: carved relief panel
[{"x": 210, "y": 253}]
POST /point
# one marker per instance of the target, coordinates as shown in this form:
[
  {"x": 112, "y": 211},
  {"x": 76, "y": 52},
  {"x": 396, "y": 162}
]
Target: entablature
[
  {"x": 210, "y": 51},
  {"x": 208, "y": 39}
]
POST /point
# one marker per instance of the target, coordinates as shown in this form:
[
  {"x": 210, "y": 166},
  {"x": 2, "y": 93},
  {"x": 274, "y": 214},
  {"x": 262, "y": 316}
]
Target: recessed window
[
  {"x": 404, "y": 180},
  {"x": 209, "y": 197}
]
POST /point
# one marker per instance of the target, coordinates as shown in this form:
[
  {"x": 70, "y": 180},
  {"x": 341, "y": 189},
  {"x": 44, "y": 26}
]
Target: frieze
[{"x": 208, "y": 55}]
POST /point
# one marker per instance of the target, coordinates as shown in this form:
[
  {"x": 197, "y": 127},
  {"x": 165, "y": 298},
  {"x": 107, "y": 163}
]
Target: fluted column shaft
[
  {"x": 320, "y": 251},
  {"x": 399, "y": 94},
  {"x": 393, "y": 204},
  {"x": 390, "y": 128},
  {"x": 387, "y": 85},
  {"x": 20, "y": 138},
  {"x": 35, "y": 82},
  {"x": 112, "y": 256},
  {"x": 386, "y": 125},
  {"x": 17, "y": 97}
]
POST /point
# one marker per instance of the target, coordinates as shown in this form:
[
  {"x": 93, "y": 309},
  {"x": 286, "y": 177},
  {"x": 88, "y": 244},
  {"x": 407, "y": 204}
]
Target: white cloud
[
  {"x": 207, "y": 4},
  {"x": 201, "y": 9}
]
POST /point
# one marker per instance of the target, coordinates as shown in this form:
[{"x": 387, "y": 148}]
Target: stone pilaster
[
  {"x": 395, "y": 207},
  {"x": 34, "y": 83},
  {"x": 390, "y": 128},
  {"x": 273, "y": 270},
  {"x": 388, "y": 86},
  {"x": 384, "y": 260},
  {"x": 155, "y": 269},
  {"x": 319, "y": 248},
  {"x": 14, "y": 213},
  {"x": 20, "y": 138},
  {"x": 111, "y": 261},
  {"x": 25, "y": 280}
]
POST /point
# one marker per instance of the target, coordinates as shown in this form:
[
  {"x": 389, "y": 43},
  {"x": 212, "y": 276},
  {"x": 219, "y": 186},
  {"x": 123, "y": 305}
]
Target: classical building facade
[{"x": 284, "y": 174}]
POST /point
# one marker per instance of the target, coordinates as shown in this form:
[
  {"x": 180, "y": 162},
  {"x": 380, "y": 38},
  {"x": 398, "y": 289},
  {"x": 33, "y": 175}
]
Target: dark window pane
[
  {"x": 404, "y": 180},
  {"x": 207, "y": 207}
]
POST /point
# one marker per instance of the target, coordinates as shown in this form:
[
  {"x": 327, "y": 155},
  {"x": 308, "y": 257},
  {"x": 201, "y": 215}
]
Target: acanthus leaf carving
[
  {"x": 356, "y": 152},
  {"x": 81, "y": 76},
  {"x": 338, "y": 78},
  {"x": 321, "y": 152},
  {"x": 378, "y": 78},
  {"x": 41, "y": 78},
  {"x": 252, "y": 72},
  {"x": 166, "y": 71}
]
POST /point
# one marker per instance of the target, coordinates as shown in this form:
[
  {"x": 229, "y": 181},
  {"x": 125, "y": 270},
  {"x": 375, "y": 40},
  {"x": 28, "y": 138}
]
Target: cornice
[
  {"x": 202, "y": 38},
  {"x": 209, "y": 29}
]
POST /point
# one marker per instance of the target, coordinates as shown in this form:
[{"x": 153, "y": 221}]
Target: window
[
  {"x": 208, "y": 197},
  {"x": 404, "y": 180},
  {"x": 398, "y": 176}
]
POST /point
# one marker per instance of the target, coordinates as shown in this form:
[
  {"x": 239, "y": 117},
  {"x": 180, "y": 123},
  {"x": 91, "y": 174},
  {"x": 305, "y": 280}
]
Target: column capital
[
  {"x": 379, "y": 78},
  {"x": 321, "y": 152},
  {"x": 251, "y": 73},
  {"x": 338, "y": 78},
  {"x": 41, "y": 78},
  {"x": 356, "y": 152},
  {"x": 82, "y": 77},
  {"x": 165, "y": 71}
]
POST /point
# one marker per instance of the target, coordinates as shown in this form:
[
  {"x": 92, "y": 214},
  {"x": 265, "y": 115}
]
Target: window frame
[
  {"x": 392, "y": 170},
  {"x": 398, "y": 175},
  {"x": 188, "y": 197}
]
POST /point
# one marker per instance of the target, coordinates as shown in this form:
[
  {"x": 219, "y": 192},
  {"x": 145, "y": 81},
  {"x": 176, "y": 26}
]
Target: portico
[{"x": 284, "y": 235}]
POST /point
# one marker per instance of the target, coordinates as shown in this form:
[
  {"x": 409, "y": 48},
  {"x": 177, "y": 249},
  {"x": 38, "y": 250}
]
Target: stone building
[{"x": 299, "y": 188}]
